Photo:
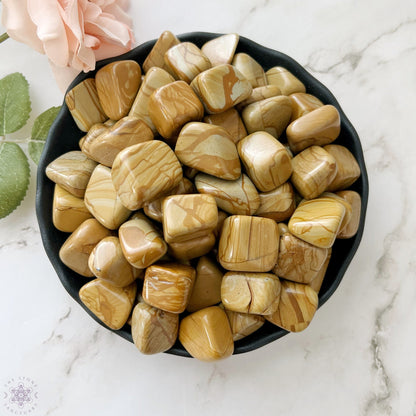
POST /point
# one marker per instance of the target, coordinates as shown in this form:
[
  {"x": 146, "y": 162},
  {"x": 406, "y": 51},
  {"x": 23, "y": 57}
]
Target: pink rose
[{"x": 74, "y": 34}]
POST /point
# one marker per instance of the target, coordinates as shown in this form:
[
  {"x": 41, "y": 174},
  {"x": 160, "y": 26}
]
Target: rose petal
[{"x": 63, "y": 75}]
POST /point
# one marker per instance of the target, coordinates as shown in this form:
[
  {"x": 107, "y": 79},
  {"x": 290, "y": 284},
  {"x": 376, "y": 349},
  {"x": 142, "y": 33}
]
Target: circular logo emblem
[{"x": 20, "y": 396}]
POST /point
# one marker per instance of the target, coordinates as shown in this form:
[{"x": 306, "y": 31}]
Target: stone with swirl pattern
[
  {"x": 260, "y": 94},
  {"x": 347, "y": 206},
  {"x": 354, "y": 199},
  {"x": 303, "y": 103},
  {"x": 285, "y": 80},
  {"x": 251, "y": 69},
  {"x": 244, "y": 324},
  {"x": 231, "y": 121},
  {"x": 316, "y": 283},
  {"x": 190, "y": 249},
  {"x": 221, "y": 49}
]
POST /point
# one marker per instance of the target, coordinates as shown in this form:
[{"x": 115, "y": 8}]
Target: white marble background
[{"x": 358, "y": 356}]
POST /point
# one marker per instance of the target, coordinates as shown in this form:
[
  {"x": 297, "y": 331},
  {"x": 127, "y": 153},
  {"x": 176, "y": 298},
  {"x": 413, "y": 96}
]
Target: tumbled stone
[
  {"x": 260, "y": 94},
  {"x": 250, "y": 69},
  {"x": 231, "y": 121},
  {"x": 285, "y": 80},
  {"x": 354, "y": 199},
  {"x": 95, "y": 131},
  {"x": 221, "y": 218},
  {"x": 347, "y": 206},
  {"x": 193, "y": 248},
  {"x": 243, "y": 324},
  {"x": 303, "y": 103},
  {"x": 316, "y": 283},
  {"x": 283, "y": 228},
  {"x": 221, "y": 49}
]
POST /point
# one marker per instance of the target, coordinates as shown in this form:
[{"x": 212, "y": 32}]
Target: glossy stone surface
[
  {"x": 313, "y": 170},
  {"x": 84, "y": 104},
  {"x": 186, "y": 61},
  {"x": 319, "y": 127},
  {"x": 231, "y": 121},
  {"x": 354, "y": 199},
  {"x": 221, "y": 88},
  {"x": 271, "y": 115},
  {"x": 92, "y": 133},
  {"x": 152, "y": 329},
  {"x": 144, "y": 172},
  {"x": 297, "y": 306},
  {"x": 248, "y": 244},
  {"x": 71, "y": 171},
  {"x": 235, "y": 197},
  {"x": 277, "y": 204},
  {"x": 206, "y": 334},
  {"x": 221, "y": 49},
  {"x": 109, "y": 303},
  {"x": 260, "y": 94},
  {"x": 317, "y": 221},
  {"x": 172, "y": 106},
  {"x": 68, "y": 211},
  {"x": 243, "y": 324},
  {"x": 265, "y": 159},
  {"x": 168, "y": 286},
  {"x": 256, "y": 293},
  {"x": 303, "y": 103},
  {"x": 250, "y": 69},
  {"x": 102, "y": 200},
  {"x": 316, "y": 283},
  {"x": 347, "y": 206},
  {"x": 221, "y": 218},
  {"x": 195, "y": 247},
  {"x": 285, "y": 80},
  {"x": 210, "y": 149},
  {"x": 117, "y": 85}
]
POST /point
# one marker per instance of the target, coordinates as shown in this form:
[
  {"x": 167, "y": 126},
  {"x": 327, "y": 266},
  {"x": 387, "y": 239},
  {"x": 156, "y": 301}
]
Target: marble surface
[{"x": 357, "y": 357}]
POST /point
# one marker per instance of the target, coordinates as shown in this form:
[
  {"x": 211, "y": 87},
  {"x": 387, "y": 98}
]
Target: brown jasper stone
[
  {"x": 285, "y": 80},
  {"x": 71, "y": 171},
  {"x": 102, "y": 201},
  {"x": 156, "y": 57},
  {"x": 250, "y": 69},
  {"x": 243, "y": 324},
  {"x": 318, "y": 280},
  {"x": 68, "y": 211},
  {"x": 248, "y": 244},
  {"x": 317, "y": 221},
  {"x": 221, "y": 88},
  {"x": 206, "y": 334},
  {"x": 319, "y": 127},
  {"x": 107, "y": 262},
  {"x": 187, "y": 217},
  {"x": 76, "y": 250},
  {"x": 221, "y": 50},
  {"x": 235, "y": 197},
  {"x": 260, "y": 94},
  {"x": 186, "y": 61},
  {"x": 297, "y": 306},
  {"x": 144, "y": 172},
  {"x": 221, "y": 218},
  {"x": 271, "y": 115},
  {"x": 154, "y": 79},
  {"x": 231, "y": 121},
  {"x": 256, "y": 293},
  {"x": 283, "y": 228},
  {"x": 152, "y": 329},
  {"x": 84, "y": 104},
  {"x": 172, "y": 106},
  {"x": 191, "y": 249},
  {"x": 95, "y": 131},
  {"x": 168, "y": 286},
  {"x": 303, "y": 103},
  {"x": 126, "y": 132},
  {"x": 141, "y": 242},
  {"x": 351, "y": 228},
  {"x": 109, "y": 303},
  {"x": 278, "y": 204},
  {"x": 347, "y": 206},
  {"x": 313, "y": 170},
  {"x": 117, "y": 86},
  {"x": 298, "y": 261},
  {"x": 209, "y": 149},
  {"x": 348, "y": 169},
  {"x": 266, "y": 160}
]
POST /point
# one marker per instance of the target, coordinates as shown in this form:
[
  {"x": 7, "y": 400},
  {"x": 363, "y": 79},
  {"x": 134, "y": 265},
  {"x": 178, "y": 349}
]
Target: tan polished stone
[
  {"x": 221, "y": 218},
  {"x": 145, "y": 172},
  {"x": 283, "y": 228},
  {"x": 210, "y": 149},
  {"x": 168, "y": 286},
  {"x": 266, "y": 160},
  {"x": 313, "y": 170},
  {"x": 354, "y": 199},
  {"x": 256, "y": 293},
  {"x": 141, "y": 242},
  {"x": 95, "y": 131},
  {"x": 117, "y": 86},
  {"x": 316, "y": 283},
  {"x": 317, "y": 221},
  {"x": 68, "y": 211},
  {"x": 190, "y": 173},
  {"x": 303, "y": 103},
  {"x": 71, "y": 171},
  {"x": 250, "y": 69},
  {"x": 248, "y": 244},
  {"x": 206, "y": 334},
  {"x": 152, "y": 329},
  {"x": 297, "y": 306},
  {"x": 231, "y": 121},
  {"x": 260, "y": 94},
  {"x": 319, "y": 127},
  {"x": 186, "y": 61},
  {"x": 111, "y": 304},
  {"x": 271, "y": 115},
  {"x": 128, "y": 131},
  {"x": 347, "y": 206},
  {"x": 285, "y": 80},
  {"x": 235, "y": 197},
  {"x": 172, "y": 106},
  {"x": 193, "y": 248},
  {"x": 221, "y": 49},
  {"x": 243, "y": 324},
  {"x": 102, "y": 200},
  {"x": 221, "y": 88},
  {"x": 84, "y": 104},
  {"x": 278, "y": 204}
]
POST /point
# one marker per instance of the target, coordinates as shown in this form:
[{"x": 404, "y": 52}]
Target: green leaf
[
  {"x": 40, "y": 132},
  {"x": 14, "y": 103},
  {"x": 14, "y": 177}
]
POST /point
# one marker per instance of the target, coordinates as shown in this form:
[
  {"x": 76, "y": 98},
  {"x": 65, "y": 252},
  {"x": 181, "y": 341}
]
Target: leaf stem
[
  {"x": 4, "y": 140},
  {"x": 3, "y": 37}
]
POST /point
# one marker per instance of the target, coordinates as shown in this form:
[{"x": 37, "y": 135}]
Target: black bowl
[{"x": 64, "y": 136}]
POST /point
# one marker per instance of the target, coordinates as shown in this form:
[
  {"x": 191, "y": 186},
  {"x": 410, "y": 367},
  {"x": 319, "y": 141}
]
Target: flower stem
[
  {"x": 3, "y": 37},
  {"x": 28, "y": 140}
]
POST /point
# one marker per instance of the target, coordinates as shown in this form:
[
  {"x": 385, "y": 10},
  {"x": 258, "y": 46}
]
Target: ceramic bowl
[{"x": 64, "y": 136}]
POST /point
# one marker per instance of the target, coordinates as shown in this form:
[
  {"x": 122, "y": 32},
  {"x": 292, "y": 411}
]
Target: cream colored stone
[
  {"x": 250, "y": 69},
  {"x": 243, "y": 324},
  {"x": 285, "y": 80},
  {"x": 193, "y": 248},
  {"x": 221, "y": 49},
  {"x": 303, "y": 103},
  {"x": 354, "y": 199},
  {"x": 231, "y": 121}
]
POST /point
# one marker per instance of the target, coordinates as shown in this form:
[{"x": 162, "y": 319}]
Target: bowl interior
[{"x": 64, "y": 136}]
